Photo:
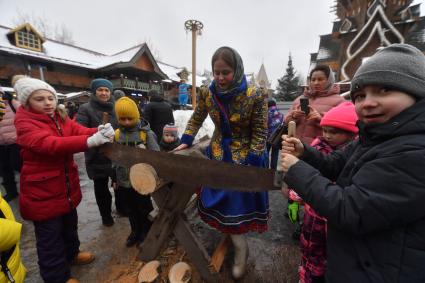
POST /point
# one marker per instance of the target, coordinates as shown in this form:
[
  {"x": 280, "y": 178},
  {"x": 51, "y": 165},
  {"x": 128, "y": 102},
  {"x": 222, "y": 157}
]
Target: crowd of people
[{"x": 355, "y": 166}]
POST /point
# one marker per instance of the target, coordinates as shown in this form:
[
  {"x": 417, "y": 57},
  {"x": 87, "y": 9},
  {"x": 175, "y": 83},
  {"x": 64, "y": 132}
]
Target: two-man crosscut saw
[{"x": 195, "y": 171}]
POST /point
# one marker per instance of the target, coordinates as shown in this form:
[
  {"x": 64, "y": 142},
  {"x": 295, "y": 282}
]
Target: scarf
[
  {"x": 223, "y": 99},
  {"x": 330, "y": 88}
]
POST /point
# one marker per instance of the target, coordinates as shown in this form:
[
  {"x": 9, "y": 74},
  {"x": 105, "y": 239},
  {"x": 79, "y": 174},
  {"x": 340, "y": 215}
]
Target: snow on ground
[{"x": 181, "y": 117}]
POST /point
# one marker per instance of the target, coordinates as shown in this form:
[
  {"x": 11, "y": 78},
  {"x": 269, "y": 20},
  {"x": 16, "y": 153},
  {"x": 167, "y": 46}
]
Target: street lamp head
[{"x": 193, "y": 25}]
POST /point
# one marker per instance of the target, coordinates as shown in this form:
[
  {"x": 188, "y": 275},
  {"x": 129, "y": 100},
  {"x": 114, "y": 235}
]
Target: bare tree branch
[{"x": 54, "y": 31}]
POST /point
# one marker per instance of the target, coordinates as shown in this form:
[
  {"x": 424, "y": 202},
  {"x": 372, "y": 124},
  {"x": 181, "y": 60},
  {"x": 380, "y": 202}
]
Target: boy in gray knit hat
[
  {"x": 398, "y": 66},
  {"x": 375, "y": 209}
]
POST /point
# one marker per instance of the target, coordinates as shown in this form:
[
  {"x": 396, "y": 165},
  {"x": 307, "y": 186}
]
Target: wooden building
[
  {"x": 69, "y": 68},
  {"x": 362, "y": 27}
]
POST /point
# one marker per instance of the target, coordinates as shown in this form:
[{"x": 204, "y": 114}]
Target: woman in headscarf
[
  {"x": 322, "y": 95},
  {"x": 239, "y": 113}
]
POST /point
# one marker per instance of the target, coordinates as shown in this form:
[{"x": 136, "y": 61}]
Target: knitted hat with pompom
[{"x": 25, "y": 86}]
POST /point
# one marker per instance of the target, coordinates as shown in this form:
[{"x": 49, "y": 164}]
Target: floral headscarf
[{"x": 238, "y": 84}]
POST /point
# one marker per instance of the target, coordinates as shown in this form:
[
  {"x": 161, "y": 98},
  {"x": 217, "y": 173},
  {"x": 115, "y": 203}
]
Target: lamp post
[{"x": 196, "y": 28}]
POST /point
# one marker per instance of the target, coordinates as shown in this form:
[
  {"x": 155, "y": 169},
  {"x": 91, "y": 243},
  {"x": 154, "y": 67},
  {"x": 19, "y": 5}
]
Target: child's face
[
  {"x": 335, "y": 137},
  {"x": 223, "y": 74},
  {"x": 318, "y": 81},
  {"x": 42, "y": 102},
  {"x": 126, "y": 122},
  {"x": 168, "y": 138},
  {"x": 376, "y": 104}
]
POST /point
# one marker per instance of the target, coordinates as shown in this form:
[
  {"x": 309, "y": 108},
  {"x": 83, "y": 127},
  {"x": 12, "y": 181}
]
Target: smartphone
[{"x": 304, "y": 105}]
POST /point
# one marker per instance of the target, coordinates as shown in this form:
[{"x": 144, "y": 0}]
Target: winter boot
[
  {"x": 241, "y": 255},
  {"x": 83, "y": 258},
  {"x": 72, "y": 280},
  {"x": 107, "y": 221},
  {"x": 132, "y": 239}
]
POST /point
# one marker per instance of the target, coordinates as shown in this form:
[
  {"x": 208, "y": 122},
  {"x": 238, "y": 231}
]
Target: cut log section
[
  {"x": 180, "y": 273},
  {"x": 144, "y": 179},
  {"x": 150, "y": 272},
  {"x": 220, "y": 252}
]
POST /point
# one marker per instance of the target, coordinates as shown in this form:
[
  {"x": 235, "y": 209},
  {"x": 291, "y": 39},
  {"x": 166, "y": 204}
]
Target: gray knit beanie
[
  {"x": 398, "y": 66},
  {"x": 118, "y": 94}
]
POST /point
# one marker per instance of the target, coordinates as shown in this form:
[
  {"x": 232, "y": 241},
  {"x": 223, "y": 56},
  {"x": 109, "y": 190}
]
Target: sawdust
[{"x": 128, "y": 272}]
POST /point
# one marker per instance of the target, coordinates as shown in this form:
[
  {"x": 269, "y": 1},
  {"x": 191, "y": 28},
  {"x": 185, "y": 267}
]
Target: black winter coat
[
  {"x": 90, "y": 115},
  {"x": 376, "y": 208},
  {"x": 158, "y": 113}
]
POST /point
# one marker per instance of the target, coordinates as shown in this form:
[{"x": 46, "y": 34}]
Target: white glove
[
  {"x": 108, "y": 131},
  {"x": 100, "y": 127},
  {"x": 96, "y": 140}
]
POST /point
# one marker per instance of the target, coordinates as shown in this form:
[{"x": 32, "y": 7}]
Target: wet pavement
[{"x": 273, "y": 256}]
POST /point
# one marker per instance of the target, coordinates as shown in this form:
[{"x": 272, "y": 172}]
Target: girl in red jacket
[{"x": 50, "y": 188}]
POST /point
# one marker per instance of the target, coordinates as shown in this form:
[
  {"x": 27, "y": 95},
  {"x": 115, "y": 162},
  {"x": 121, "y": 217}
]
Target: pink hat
[{"x": 342, "y": 116}]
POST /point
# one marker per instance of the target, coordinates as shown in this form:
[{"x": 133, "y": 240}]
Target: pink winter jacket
[
  {"x": 307, "y": 131},
  {"x": 7, "y": 126}
]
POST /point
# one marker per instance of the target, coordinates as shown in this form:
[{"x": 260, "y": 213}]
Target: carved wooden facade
[{"x": 362, "y": 27}]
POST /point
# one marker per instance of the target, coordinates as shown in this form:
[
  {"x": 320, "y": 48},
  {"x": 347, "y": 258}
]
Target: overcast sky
[{"x": 262, "y": 31}]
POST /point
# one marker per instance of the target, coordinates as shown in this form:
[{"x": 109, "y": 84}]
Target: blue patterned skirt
[{"x": 234, "y": 212}]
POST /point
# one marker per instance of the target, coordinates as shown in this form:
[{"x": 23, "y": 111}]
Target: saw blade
[{"x": 194, "y": 171}]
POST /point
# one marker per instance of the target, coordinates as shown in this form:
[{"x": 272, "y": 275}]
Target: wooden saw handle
[
  {"x": 105, "y": 117},
  {"x": 292, "y": 126}
]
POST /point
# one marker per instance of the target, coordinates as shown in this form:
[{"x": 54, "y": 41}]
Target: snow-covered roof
[
  {"x": 68, "y": 54},
  {"x": 72, "y": 95},
  {"x": 172, "y": 71},
  {"x": 323, "y": 53},
  {"x": 80, "y": 57}
]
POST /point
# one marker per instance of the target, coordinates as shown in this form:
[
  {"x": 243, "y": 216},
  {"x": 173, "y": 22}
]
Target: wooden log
[
  {"x": 195, "y": 250},
  {"x": 180, "y": 273},
  {"x": 144, "y": 178},
  {"x": 149, "y": 272},
  {"x": 171, "y": 204},
  {"x": 220, "y": 252}
]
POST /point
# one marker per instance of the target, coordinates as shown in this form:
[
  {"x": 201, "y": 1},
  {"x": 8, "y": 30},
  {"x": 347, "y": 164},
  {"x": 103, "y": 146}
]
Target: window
[{"x": 27, "y": 39}]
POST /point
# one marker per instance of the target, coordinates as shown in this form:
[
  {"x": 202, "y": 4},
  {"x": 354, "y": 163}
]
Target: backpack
[{"x": 143, "y": 136}]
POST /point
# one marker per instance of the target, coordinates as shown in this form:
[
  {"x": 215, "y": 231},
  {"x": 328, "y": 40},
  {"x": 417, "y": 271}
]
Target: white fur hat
[{"x": 24, "y": 87}]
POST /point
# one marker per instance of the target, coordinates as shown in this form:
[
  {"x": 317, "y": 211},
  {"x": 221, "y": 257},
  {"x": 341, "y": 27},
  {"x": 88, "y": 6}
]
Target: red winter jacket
[{"x": 50, "y": 186}]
